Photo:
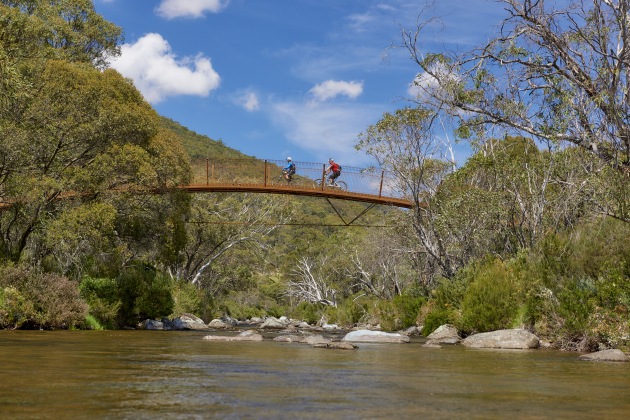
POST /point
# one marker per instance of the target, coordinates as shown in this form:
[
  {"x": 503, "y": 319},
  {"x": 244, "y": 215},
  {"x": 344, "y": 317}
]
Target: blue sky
[{"x": 277, "y": 78}]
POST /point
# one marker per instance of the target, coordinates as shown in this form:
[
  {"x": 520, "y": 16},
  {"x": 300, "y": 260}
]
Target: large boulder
[
  {"x": 274, "y": 323},
  {"x": 189, "y": 322},
  {"x": 612, "y": 355},
  {"x": 444, "y": 334},
  {"x": 367, "y": 336},
  {"x": 218, "y": 324},
  {"x": 503, "y": 339},
  {"x": 153, "y": 324}
]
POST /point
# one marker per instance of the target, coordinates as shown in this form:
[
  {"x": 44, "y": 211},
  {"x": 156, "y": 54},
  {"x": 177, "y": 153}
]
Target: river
[{"x": 178, "y": 375}]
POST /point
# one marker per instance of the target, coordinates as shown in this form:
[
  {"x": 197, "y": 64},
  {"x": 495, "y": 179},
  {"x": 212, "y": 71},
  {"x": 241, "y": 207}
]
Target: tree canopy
[{"x": 556, "y": 71}]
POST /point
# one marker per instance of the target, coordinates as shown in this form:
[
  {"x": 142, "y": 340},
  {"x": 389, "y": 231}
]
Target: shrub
[
  {"x": 582, "y": 286},
  {"x": 15, "y": 309},
  {"x": 187, "y": 298},
  {"x": 92, "y": 323},
  {"x": 397, "y": 313},
  {"x": 55, "y": 299},
  {"x": 436, "y": 317},
  {"x": 144, "y": 294},
  {"x": 308, "y": 312},
  {"x": 408, "y": 307},
  {"x": 101, "y": 295},
  {"x": 491, "y": 302},
  {"x": 238, "y": 310}
]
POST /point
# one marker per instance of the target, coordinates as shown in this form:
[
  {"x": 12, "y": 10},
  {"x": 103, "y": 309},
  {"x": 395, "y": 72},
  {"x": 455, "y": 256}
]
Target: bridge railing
[{"x": 253, "y": 171}]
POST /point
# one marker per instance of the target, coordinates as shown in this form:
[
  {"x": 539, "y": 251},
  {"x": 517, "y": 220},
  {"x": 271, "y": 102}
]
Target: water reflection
[{"x": 151, "y": 374}]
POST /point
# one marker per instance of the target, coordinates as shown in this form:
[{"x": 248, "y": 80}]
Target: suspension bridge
[{"x": 367, "y": 185}]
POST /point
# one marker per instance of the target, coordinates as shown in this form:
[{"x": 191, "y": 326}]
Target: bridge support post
[
  {"x": 265, "y": 174},
  {"x": 323, "y": 176},
  {"x": 380, "y": 189}
]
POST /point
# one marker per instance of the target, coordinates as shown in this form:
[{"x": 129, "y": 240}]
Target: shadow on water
[{"x": 166, "y": 374}]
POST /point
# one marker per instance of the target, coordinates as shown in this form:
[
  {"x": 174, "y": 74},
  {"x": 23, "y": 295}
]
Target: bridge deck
[
  {"x": 306, "y": 191},
  {"x": 255, "y": 175}
]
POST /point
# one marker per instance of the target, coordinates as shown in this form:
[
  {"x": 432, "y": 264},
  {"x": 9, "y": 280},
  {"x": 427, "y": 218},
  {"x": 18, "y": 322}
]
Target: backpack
[{"x": 339, "y": 168}]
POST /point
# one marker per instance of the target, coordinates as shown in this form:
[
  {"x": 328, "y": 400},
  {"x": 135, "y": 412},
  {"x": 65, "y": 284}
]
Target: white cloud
[
  {"x": 158, "y": 73},
  {"x": 248, "y": 100},
  {"x": 426, "y": 85},
  {"x": 326, "y": 129},
  {"x": 171, "y": 9},
  {"x": 333, "y": 88}
]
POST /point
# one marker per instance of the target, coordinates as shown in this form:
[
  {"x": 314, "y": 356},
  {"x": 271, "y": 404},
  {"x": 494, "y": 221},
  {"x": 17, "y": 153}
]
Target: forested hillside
[{"x": 199, "y": 146}]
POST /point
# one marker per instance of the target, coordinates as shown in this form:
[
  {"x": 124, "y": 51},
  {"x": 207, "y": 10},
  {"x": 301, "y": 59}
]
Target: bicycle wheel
[
  {"x": 317, "y": 183},
  {"x": 342, "y": 186},
  {"x": 279, "y": 180}
]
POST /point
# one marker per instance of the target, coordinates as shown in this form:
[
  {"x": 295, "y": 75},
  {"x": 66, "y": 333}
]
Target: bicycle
[
  {"x": 336, "y": 184},
  {"x": 281, "y": 180}
]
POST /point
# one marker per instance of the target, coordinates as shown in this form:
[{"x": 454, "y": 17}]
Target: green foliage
[
  {"x": 101, "y": 295},
  {"x": 43, "y": 300},
  {"x": 200, "y": 146},
  {"x": 187, "y": 298},
  {"x": 92, "y": 323},
  {"x": 15, "y": 309},
  {"x": 407, "y": 308},
  {"x": 144, "y": 294},
  {"x": 491, "y": 301},
  {"x": 307, "y": 312},
  {"x": 582, "y": 286},
  {"x": 155, "y": 300},
  {"x": 69, "y": 30},
  {"x": 349, "y": 312},
  {"x": 437, "y": 317}
]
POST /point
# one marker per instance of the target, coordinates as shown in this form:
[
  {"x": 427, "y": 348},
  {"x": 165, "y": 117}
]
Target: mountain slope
[{"x": 200, "y": 146}]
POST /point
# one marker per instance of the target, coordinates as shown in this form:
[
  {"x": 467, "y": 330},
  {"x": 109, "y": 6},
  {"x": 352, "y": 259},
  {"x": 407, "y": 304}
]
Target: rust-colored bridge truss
[{"x": 264, "y": 176}]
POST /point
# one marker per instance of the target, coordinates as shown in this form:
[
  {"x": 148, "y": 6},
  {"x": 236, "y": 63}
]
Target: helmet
[
  {"x": 331, "y": 159},
  {"x": 289, "y": 158}
]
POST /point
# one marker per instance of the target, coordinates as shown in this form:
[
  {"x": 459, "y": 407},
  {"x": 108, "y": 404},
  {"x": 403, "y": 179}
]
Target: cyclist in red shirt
[{"x": 334, "y": 170}]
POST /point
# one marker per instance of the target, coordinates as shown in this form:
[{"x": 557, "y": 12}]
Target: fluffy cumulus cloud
[
  {"x": 333, "y": 88},
  {"x": 171, "y": 9},
  {"x": 327, "y": 130},
  {"x": 158, "y": 73}
]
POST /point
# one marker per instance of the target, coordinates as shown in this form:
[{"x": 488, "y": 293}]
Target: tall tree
[
  {"x": 59, "y": 29},
  {"x": 215, "y": 227},
  {"x": 557, "y": 71},
  {"x": 69, "y": 129},
  {"x": 404, "y": 144}
]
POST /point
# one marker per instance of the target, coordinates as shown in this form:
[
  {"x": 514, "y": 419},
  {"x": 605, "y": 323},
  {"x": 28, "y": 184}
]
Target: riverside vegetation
[{"x": 526, "y": 233}]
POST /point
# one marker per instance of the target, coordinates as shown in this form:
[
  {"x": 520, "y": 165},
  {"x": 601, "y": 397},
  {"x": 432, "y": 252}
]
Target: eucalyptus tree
[
  {"x": 381, "y": 266},
  {"x": 311, "y": 283},
  {"x": 73, "y": 134},
  {"x": 68, "y": 30},
  {"x": 218, "y": 226},
  {"x": 404, "y": 144},
  {"x": 556, "y": 71}
]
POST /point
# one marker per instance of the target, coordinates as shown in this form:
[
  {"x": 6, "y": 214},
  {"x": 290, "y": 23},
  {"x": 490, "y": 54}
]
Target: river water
[{"x": 178, "y": 375}]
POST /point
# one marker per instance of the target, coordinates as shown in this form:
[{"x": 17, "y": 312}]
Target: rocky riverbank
[{"x": 287, "y": 330}]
